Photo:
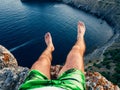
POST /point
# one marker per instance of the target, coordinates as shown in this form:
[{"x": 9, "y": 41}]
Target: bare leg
[
  {"x": 43, "y": 64},
  {"x": 75, "y": 56}
]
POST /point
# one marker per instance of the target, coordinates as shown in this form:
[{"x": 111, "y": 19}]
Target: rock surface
[
  {"x": 12, "y": 75},
  {"x": 6, "y": 58}
]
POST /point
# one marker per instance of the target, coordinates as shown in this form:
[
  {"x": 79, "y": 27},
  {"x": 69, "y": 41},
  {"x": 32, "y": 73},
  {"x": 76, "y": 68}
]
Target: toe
[
  {"x": 80, "y": 23},
  {"x": 47, "y": 35}
]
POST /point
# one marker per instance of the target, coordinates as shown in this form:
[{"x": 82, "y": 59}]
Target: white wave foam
[
  {"x": 22, "y": 45},
  {"x": 57, "y": 6}
]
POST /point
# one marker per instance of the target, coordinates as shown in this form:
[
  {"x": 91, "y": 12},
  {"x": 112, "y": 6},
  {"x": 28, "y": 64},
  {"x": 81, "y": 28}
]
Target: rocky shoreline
[
  {"x": 106, "y": 10},
  {"x": 102, "y": 9},
  {"x": 97, "y": 55},
  {"x": 12, "y": 75}
]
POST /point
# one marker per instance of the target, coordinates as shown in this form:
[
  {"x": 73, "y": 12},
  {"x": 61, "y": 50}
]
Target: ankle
[
  {"x": 80, "y": 38},
  {"x": 76, "y": 46},
  {"x": 50, "y": 48}
]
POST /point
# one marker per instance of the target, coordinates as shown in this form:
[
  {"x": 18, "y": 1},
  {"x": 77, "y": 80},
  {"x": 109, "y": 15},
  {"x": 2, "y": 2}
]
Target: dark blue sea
[{"x": 23, "y": 25}]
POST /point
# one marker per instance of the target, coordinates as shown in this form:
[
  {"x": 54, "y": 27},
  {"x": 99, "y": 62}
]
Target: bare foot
[
  {"x": 81, "y": 30},
  {"x": 48, "y": 40}
]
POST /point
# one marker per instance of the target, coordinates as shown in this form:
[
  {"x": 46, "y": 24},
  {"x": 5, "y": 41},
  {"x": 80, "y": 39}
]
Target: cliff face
[
  {"x": 108, "y": 10},
  {"x": 12, "y": 75}
]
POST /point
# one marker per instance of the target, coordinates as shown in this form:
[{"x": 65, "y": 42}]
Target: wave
[
  {"x": 19, "y": 46},
  {"x": 59, "y": 5}
]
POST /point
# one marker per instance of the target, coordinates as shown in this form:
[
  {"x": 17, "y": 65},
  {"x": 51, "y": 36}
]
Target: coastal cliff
[
  {"x": 101, "y": 60},
  {"x": 105, "y": 59},
  {"x": 12, "y": 75},
  {"x": 108, "y": 10}
]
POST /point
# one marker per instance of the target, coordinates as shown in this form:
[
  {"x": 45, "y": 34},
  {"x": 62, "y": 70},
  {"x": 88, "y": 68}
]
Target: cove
[{"x": 23, "y": 25}]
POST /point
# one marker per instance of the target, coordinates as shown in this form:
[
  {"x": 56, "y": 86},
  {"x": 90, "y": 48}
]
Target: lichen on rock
[
  {"x": 6, "y": 58},
  {"x": 11, "y": 75}
]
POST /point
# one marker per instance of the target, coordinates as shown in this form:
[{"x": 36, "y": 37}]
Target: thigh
[
  {"x": 75, "y": 61},
  {"x": 73, "y": 79},
  {"x": 43, "y": 66}
]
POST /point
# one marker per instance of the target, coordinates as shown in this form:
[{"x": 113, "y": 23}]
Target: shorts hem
[{"x": 69, "y": 71}]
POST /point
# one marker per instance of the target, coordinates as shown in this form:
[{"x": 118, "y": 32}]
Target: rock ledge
[{"x": 12, "y": 75}]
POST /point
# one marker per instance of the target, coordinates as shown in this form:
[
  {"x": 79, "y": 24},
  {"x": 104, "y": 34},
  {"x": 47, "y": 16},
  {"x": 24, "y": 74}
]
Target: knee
[
  {"x": 76, "y": 49},
  {"x": 44, "y": 61}
]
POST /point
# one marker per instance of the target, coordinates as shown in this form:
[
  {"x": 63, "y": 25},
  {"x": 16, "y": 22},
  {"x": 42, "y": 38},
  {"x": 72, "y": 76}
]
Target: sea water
[{"x": 23, "y": 26}]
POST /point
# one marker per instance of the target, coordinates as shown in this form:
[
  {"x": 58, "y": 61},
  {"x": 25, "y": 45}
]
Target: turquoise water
[{"x": 23, "y": 25}]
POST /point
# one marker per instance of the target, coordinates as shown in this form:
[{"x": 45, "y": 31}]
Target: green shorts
[{"x": 72, "y": 79}]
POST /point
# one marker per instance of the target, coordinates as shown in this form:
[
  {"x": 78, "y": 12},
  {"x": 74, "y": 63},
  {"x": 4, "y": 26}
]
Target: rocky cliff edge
[{"x": 12, "y": 75}]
